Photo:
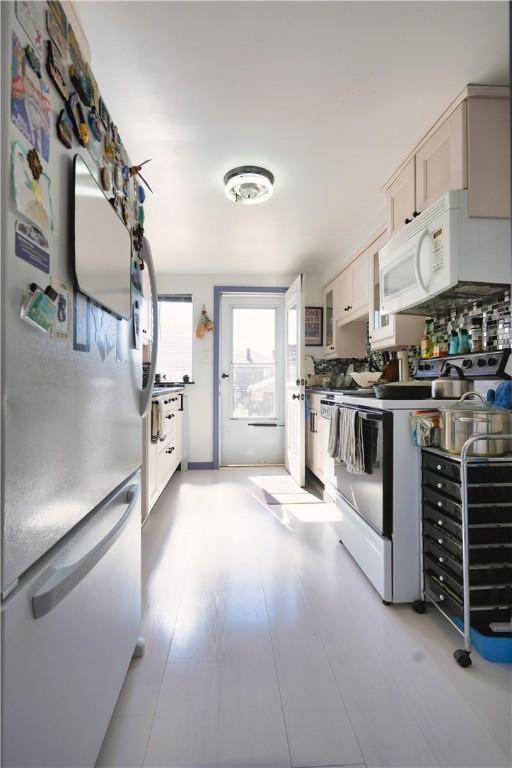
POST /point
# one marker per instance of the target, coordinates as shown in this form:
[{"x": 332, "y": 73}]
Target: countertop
[{"x": 165, "y": 390}]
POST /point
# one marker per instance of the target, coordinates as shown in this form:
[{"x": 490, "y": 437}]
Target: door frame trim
[{"x": 218, "y": 291}]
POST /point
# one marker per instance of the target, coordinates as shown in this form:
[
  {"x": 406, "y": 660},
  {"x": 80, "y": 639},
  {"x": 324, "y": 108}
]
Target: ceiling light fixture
[{"x": 248, "y": 185}]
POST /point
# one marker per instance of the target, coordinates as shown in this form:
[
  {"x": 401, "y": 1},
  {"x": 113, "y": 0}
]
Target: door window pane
[
  {"x": 254, "y": 363},
  {"x": 291, "y": 345}
]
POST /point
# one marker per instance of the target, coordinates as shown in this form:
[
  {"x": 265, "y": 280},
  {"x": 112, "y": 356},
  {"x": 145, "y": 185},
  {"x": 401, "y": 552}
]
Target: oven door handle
[{"x": 369, "y": 416}]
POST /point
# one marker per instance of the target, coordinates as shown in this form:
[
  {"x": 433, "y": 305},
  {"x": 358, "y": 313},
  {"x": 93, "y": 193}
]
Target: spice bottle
[
  {"x": 426, "y": 347},
  {"x": 476, "y": 334}
]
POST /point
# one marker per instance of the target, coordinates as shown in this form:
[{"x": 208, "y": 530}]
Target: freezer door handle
[
  {"x": 147, "y": 391},
  {"x": 62, "y": 581}
]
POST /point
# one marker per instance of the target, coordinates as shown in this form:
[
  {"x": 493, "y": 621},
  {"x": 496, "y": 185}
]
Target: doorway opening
[{"x": 252, "y": 378}]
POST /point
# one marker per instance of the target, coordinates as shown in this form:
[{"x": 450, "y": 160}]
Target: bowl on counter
[{"x": 366, "y": 379}]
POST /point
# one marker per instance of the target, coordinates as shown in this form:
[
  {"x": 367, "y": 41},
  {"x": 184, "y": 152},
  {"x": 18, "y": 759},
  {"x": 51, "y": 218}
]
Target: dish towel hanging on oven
[
  {"x": 157, "y": 423},
  {"x": 334, "y": 432},
  {"x": 350, "y": 442}
]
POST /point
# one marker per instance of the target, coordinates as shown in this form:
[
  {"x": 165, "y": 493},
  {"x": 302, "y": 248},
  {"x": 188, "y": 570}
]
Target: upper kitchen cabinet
[
  {"x": 329, "y": 349},
  {"x": 441, "y": 160},
  {"x": 388, "y": 332},
  {"x": 401, "y": 198},
  {"x": 351, "y": 291},
  {"x": 467, "y": 148},
  {"x": 342, "y": 339}
]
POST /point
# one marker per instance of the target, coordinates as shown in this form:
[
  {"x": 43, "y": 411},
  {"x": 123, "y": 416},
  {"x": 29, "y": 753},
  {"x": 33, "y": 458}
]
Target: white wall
[{"x": 200, "y": 397}]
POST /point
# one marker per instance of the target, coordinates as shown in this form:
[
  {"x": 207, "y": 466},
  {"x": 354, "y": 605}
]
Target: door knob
[{"x": 225, "y": 376}]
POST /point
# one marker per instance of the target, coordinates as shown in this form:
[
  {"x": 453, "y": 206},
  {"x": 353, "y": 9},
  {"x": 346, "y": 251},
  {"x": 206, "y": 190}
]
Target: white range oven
[{"x": 380, "y": 509}]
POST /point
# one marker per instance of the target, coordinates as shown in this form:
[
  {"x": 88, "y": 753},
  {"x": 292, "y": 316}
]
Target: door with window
[
  {"x": 295, "y": 412},
  {"x": 252, "y": 379}
]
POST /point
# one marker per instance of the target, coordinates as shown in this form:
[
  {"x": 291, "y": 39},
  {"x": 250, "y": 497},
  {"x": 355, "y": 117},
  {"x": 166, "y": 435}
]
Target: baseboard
[{"x": 201, "y": 465}]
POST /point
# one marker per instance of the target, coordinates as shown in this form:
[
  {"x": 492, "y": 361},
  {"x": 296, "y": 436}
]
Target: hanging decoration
[
  {"x": 204, "y": 324},
  {"x": 135, "y": 171}
]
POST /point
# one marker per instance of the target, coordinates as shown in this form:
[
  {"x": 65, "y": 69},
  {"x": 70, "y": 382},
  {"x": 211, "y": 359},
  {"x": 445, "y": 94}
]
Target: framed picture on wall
[{"x": 314, "y": 330}]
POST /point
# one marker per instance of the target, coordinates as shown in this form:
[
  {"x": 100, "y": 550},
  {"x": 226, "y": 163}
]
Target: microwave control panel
[{"x": 437, "y": 250}]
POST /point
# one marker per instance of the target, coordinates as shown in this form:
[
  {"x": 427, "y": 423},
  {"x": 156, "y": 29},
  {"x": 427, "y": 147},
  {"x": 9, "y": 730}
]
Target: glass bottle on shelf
[{"x": 463, "y": 341}]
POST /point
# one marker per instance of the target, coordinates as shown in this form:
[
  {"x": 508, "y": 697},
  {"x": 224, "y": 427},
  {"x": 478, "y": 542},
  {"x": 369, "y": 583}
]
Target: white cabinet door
[
  {"x": 294, "y": 389},
  {"x": 401, "y": 199},
  {"x": 441, "y": 162},
  {"x": 329, "y": 324},
  {"x": 342, "y": 293}
]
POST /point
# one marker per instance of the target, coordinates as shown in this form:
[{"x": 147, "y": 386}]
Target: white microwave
[{"x": 444, "y": 258}]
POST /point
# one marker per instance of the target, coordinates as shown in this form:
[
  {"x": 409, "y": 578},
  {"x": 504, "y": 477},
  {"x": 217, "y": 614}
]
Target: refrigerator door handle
[
  {"x": 146, "y": 393},
  {"x": 63, "y": 580}
]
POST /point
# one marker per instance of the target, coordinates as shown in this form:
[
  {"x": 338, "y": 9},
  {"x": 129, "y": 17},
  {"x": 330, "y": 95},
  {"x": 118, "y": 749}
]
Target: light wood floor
[{"x": 266, "y": 646}]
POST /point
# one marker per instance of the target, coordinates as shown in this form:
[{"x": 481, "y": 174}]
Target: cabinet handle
[
  {"x": 349, "y": 306},
  {"x": 440, "y": 541},
  {"x": 439, "y": 466},
  {"x": 441, "y": 559},
  {"x": 441, "y": 597},
  {"x": 169, "y": 450},
  {"x": 439, "y": 485},
  {"x": 439, "y": 503},
  {"x": 440, "y": 522},
  {"x": 441, "y": 578},
  {"x": 416, "y": 213},
  {"x": 407, "y": 221}
]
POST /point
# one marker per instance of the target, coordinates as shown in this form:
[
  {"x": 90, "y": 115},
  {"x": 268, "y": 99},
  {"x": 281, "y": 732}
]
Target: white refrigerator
[{"x": 71, "y": 455}]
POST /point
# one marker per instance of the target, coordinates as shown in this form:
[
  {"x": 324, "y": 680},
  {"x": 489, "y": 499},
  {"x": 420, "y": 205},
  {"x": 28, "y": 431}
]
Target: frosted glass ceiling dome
[{"x": 248, "y": 185}]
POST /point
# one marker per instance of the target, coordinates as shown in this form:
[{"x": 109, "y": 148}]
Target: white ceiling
[{"x": 328, "y": 95}]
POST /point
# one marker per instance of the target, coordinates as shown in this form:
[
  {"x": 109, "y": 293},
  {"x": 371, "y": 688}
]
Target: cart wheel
[
  {"x": 462, "y": 658},
  {"x": 419, "y": 606}
]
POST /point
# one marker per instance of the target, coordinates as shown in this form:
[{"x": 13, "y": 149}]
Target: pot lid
[{"x": 474, "y": 402}]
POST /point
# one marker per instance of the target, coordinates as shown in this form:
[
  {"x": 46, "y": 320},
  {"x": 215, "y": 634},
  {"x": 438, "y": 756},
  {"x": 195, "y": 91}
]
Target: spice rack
[{"x": 467, "y": 540}]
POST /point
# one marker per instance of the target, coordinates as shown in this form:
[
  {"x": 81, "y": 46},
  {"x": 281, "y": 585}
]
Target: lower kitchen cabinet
[
  {"x": 161, "y": 458},
  {"x": 314, "y": 456}
]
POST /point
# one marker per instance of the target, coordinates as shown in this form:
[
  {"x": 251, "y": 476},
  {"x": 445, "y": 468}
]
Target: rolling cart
[{"x": 467, "y": 542}]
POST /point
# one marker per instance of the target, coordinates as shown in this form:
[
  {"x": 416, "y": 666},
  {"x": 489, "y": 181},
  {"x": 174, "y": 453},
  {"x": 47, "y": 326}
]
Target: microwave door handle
[{"x": 417, "y": 270}]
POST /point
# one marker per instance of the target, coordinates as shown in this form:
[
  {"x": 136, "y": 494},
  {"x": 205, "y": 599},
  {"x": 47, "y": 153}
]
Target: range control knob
[
  {"x": 467, "y": 363},
  {"x": 427, "y": 366},
  {"x": 492, "y": 361},
  {"x": 481, "y": 362}
]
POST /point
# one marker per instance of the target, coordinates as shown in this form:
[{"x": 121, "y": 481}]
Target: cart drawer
[
  {"x": 478, "y": 534},
  {"x": 442, "y": 484},
  {"x": 453, "y": 605},
  {"x": 485, "y": 514},
  {"x": 480, "y": 472},
  {"x": 480, "y": 595},
  {"x": 477, "y": 494},
  {"x": 478, "y": 575},
  {"x": 442, "y": 521},
  {"x": 449, "y": 543}
]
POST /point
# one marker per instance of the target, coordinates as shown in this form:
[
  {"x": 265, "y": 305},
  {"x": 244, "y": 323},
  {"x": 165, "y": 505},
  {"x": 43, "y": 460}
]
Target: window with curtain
[{"x": 175, "y": 314}]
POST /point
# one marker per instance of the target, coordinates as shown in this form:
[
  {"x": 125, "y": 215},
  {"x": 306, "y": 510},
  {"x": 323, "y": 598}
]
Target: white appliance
[
  {"x": 71, "y": 456},
  {"x": 444, "y": 258},
  {"x": 380, "y": 509}
]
